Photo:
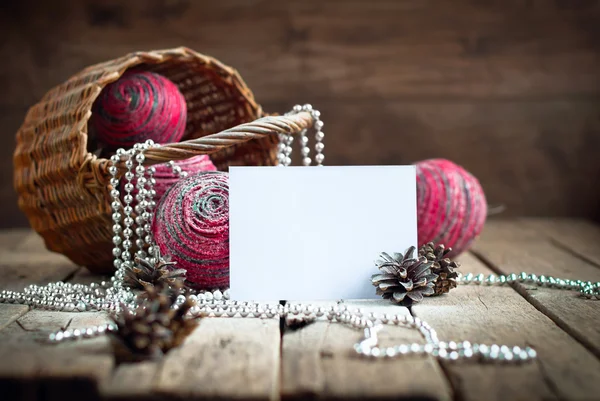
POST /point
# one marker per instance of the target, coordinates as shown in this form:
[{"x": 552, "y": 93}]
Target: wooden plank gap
[
  {"x": 557, "y": 320},
  {"x": 225, "y": 358},
  {"x": 455, "y": 391},
  {"x": 10, "y": 313},
  {"x": 282, "y": 328},
  {"x": 500, "y": 315},
  {"x": 479, "y": 256},
  {"x": 132, "y": 381},
  {"x": 318, "y": 362},
  {"x": 546, "y": 377},
  {"x": 521, "y": 290},
  {"x": 573, "y": 252},
  {"x": 578, "y": 237},
  {"x": 72, "y": 274}
]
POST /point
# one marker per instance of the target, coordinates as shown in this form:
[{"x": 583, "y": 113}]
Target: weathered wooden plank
[
  {"x": 513, "y": 148},
  {"x": 128, "y": 381},
  {"x": 30, "y": 263},
  {"x": 538, "y": 255},
  {"x": 9, "y": 313},
  {"x": 132, "y": 381},
  {"x": 32, "y": 369},
  {"x": 20, "y": 269},
  {"x": 460, "y": 48},
  {"x": 343, "y": 50},
  {"x": 319, "y": 361},
  {"x": 32, "y": 243},
  {"x": 224, "y": 358},
  {"x": 10, "y": 238},
  {"x": 564, "y": 370},
  {"x": 363, "y": 56},
  {"x": 84, "y": 276},
  {"x": 581, "y": 237}
]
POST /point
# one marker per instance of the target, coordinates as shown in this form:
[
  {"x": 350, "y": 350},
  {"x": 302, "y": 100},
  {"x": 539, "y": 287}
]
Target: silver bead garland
[
  {"x": 586, "y": 289},
  {"x": 109, "y": 296}
]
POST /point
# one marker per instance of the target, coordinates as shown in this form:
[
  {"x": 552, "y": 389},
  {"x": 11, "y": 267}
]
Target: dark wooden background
[{"x": 510, "y": 89}]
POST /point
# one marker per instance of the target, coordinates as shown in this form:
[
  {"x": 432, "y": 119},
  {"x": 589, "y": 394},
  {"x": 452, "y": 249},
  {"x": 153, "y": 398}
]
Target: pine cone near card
[
  {"x": 158, "y": 323},
  {"x": 404, "y": 279},
  {"x": 442, "y": 266},
  {"x": 151, "y": 271}
]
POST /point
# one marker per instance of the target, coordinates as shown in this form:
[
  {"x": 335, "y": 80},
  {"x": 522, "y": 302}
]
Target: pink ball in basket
[
  {"x": 451, "y": 205},
  {"x": 140, "y": 105},
  {"x": 191, "y": 224},
  {"x": 165, "y": 177}
]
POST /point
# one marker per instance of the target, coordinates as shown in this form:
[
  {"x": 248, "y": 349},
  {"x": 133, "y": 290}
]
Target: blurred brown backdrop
[{"x": 510, "y": 89}]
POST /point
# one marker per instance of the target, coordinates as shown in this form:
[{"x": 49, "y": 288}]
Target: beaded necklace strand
[{"x": 135, "y": 233}]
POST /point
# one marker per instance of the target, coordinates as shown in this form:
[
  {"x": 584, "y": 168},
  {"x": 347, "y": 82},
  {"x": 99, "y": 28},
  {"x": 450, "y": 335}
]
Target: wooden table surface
[{"x": 255, "y": 359}]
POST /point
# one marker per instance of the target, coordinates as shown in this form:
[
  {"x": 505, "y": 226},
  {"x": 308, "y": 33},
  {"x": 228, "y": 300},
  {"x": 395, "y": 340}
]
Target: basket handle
[{"x": 270, "y": 125}]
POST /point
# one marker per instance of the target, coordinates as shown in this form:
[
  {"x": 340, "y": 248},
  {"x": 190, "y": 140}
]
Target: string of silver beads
[
  {"x": 141, "y": 205},
  {"x": 216, "y": 304},
  {"x": 108, "y": 296},
  {"x": 370, "y": 323},
  {"x": 76, "y": 334},
  {"x": 286, "y": 141},
  {"x": 586, "y": 289}
]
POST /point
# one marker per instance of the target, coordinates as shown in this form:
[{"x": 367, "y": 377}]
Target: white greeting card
[{"x": 313, "y": 233}]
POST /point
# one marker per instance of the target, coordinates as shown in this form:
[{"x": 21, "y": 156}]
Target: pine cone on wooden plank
[
  {"x": 404, "y": 279},
  {"x": 442, "y": 266}
]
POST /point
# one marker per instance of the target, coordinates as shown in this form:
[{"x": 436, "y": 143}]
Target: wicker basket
[{"x": 63, "y": 186}]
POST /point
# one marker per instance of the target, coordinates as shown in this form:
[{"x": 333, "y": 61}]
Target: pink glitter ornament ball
[
  {"x": 140, "y": 105},
  {"x": 191, "y": 224},
  {"x": 165, "y": 177},
  {"x": 451, "y": 205}
]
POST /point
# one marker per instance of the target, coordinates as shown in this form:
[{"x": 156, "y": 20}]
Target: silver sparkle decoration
[
  {"x": 109, "y": 296},
  {"x": 286, "y": 141}
]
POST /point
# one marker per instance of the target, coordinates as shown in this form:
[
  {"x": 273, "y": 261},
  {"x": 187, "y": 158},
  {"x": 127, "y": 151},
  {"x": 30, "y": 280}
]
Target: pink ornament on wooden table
[
  {"x": 451, "y": 205},
  {"x": 191, "y": 224}
]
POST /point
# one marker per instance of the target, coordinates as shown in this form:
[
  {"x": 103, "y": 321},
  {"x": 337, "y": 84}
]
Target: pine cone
[
  {"x": 158, "y": 324},
  {"x": 433, "y": 253},
  {"x": 403, "y": 279},
  {"x": 442, "y": 266},
  {"x": 151, "y": 271}
]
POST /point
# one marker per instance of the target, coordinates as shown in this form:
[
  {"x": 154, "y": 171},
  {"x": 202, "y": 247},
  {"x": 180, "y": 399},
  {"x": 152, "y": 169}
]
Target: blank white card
[{"x": 313, "y": 233}]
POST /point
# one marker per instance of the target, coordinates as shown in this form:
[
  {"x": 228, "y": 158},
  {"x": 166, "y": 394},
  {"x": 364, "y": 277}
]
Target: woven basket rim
[
  {"x": 137, "y": 58},
  {"x": 64, "y": 186}
]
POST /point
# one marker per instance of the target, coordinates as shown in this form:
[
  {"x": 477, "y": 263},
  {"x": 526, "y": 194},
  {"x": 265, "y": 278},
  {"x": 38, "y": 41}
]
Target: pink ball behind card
[{"x": 451, "y": 205}]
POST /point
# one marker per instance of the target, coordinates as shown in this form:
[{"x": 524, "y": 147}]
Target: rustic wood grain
[
  {"x": 32, "y": 243},
  {"x": 9, "y": 313},
  {"x": 84, "y": 276},
  {"x": 31, "y": 369},
  {"x": 517, "y": 150},
  {"x": 463, "y": 48},
  {"x": 538, "y": 255},
  {"x": 247, "y": 359},
  {"x": 565, "y": 370},
  {"x": 30, "y": 263},
  {"x": 344, "y": 50},
  {"x": 132, "y": 381},
  {"x": 11, "y": 238},
  {"x": 581, "y": 237},
  {"x": 482, "y": 83},
  {"x": 318, "y": 361},
  {"x": 224, "y": 358}
]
